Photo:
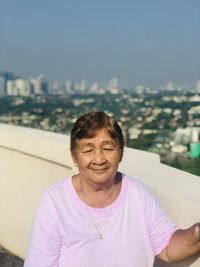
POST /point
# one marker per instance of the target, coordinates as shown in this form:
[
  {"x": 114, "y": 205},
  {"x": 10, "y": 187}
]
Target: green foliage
[{"x": 187, "y": 165}]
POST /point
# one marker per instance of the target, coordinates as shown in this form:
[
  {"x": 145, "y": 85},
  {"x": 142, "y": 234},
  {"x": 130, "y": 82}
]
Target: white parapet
[
  {"x": 31, "y": 160},
  {"x": 42, "y": 144}
]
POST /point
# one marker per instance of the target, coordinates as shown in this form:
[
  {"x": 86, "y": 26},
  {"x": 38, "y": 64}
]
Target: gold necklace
[{"x": 100, "y": 234}]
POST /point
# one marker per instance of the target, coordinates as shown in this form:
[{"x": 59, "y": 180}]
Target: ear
[
  {"x": 74, "y": 159},
  {"x": 75, "y": 163}
]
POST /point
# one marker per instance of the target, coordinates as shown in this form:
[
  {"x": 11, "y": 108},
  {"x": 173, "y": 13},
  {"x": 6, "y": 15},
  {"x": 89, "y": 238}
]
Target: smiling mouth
[{"x": 99, "y": 170}]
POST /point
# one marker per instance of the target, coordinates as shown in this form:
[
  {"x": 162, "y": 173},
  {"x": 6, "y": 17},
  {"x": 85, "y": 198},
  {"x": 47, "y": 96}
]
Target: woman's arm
[
  {"x": 45, "y": 242},
  {"x": 182, "y": 245}
]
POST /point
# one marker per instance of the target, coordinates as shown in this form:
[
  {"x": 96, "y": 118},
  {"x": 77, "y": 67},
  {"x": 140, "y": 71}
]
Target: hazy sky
[{"x": 138, "y": 41}]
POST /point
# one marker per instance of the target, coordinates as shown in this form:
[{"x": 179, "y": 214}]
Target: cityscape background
[
  {"x": 139, "y": 61},
  {"x": 163, "y": 120}
]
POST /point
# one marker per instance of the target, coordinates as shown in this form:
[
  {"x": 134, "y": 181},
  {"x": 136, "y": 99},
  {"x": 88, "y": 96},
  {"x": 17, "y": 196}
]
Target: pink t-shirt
[{"x": 64, "y": 235}]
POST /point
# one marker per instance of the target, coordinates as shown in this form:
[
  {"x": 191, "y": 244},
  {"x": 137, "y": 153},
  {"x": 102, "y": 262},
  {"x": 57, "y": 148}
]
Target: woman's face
[{"x": 97, "y": 158}]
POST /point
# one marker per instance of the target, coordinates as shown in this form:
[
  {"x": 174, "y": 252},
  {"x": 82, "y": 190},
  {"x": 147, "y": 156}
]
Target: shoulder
[
  {"x": 134, "y": 183},
  {"x": 137, "y": 189},
  {"x": 55, "y": 191},
  {"x": 59, "y": 186},
  {"x": 52, "y": 200}
]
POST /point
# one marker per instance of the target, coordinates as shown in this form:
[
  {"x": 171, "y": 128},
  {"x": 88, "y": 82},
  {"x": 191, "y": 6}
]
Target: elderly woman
[{"x": 100, "y": 217}]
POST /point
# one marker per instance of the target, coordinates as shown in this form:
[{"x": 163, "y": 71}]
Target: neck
[{"x": 97, "y": 196}]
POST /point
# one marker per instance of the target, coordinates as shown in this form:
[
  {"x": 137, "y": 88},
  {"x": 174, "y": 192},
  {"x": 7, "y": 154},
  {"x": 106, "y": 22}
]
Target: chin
[{"x": 102, "y": 176}]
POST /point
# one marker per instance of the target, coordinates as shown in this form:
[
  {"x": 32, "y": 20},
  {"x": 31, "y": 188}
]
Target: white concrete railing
[{"x": 31, "y": 160}]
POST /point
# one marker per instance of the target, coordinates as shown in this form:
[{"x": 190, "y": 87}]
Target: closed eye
[
  {"x": 109, "y": 149},
  {"x": 87, "y": 151}
]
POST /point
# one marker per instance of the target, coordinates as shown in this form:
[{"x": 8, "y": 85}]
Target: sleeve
[
  {"x": 159, "y": 226},
  {"x": 45, "y": 241}
]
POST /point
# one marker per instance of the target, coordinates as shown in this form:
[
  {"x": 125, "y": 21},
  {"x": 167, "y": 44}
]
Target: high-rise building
[
  {"x": 54, "y": 88},
  {"x": 2, "y": 86},
  {"x": 113, "y": 86},
  {"x": 11, "y": 89},
  {"x": 4, "y": 77},
  {"x": 18, "y": 87},
  {"x": 37, "y": 85},
  {"x": 94, "y": 88},
  {"x": 76, "y": 87},
  {"x": 198, "y": 87},
  {"x": 23, "y": 87},
  {"x": 69, "y": 86},
  {"x": 82, "y": 86}
]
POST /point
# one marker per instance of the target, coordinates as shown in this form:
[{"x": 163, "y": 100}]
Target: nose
[{"x": 99, "y": 157}]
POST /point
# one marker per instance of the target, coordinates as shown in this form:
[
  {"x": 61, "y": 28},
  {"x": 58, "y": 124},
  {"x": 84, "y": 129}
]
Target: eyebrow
[
  {"x": 108, "y": 143},
  {"x": 103, "y": 143},
  {"x": 87, "y": 145}
]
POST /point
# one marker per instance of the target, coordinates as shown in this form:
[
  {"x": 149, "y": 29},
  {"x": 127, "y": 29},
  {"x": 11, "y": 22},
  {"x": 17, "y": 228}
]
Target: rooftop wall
[{"x": 31, "y": 160}]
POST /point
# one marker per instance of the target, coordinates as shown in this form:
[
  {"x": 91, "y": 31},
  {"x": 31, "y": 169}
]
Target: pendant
[{"x": 100, "y": 236}]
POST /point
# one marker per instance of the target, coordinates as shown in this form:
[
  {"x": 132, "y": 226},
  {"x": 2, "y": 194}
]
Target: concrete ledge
[
  {"x": 42, "y": 144},
  {"x": 55, "y": 147}
]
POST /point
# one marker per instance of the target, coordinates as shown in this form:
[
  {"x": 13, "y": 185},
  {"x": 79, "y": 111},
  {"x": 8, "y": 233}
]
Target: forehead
[{"x": 100, "y": 137}]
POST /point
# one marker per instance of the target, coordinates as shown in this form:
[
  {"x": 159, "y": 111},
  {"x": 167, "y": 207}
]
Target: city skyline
[
  {"x": 12, "y": 84},
  {"x": 136, "y": 41}
]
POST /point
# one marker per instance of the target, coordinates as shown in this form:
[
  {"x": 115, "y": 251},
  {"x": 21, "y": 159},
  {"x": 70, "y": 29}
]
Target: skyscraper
[{"x": 2, "y": 86}]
